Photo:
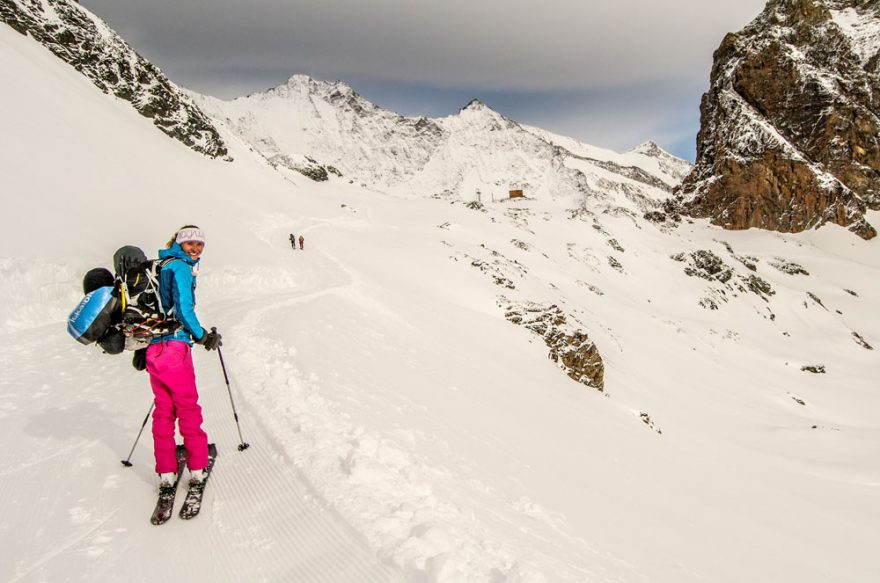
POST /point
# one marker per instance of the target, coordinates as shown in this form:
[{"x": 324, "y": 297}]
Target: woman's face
[{"x": 192, "y": 248}]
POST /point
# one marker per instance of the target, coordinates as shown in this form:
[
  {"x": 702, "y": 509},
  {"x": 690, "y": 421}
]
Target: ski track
[{"x": 261, "y": 519}]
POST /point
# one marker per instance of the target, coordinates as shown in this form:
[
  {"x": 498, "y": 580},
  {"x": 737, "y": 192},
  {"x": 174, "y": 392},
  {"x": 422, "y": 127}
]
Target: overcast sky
[{"x": 611, "y": 73}]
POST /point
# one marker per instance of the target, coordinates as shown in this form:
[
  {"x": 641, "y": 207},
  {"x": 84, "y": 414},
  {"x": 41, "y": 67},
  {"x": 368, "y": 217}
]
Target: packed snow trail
[{"x": 66, "y": 434}]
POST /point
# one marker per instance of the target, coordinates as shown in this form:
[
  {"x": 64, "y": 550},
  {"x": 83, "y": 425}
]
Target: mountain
[
  {"x": 324, "y": 129},
  {"x": 84, "y": 41},
  {"x": 788, "y": 136},
  {"x": 544, "y": 389}
]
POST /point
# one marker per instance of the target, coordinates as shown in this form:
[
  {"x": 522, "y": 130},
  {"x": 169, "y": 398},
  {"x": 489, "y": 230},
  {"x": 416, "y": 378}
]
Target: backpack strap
[{"x": 153, "y": 277}]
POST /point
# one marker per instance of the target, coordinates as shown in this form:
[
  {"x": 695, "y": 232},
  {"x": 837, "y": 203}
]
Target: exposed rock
[
  {"x": 814, "y": 368},
  {"x": 646, "y": 419},
  {"x": 591, "y": 287},
  {"x": 308, "y": 167},
  {"x": 788, "y": 267},
  {"x": 759, "y": 286},
  {"x": 570, "y": 347},
  {"x": 789, "y": 127},
  {"x": 655, "y": 216},
  {"x": 615, "y": 245},
  {"x": 816, "y": 299},
  {"x": 708, "y": 303},
  {"x": 706, "y": 265},
  {"x": 861, "y": 341},
  {"x": 84, "y": 41},
  {"x": 497, "y": 266}
]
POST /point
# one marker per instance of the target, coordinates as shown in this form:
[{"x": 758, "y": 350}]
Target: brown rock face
[
  {"x": 790, "y": 134},
  {"x": 570, "y": 347}
]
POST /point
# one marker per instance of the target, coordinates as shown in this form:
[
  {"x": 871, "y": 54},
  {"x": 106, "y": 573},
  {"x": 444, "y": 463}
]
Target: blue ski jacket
[{"x": 177, "y": 290}]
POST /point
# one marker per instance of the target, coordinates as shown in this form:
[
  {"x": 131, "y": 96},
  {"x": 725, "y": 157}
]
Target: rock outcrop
[
  {"x": 570, "y": 347},
  {"x": 84, "y": 41},
  {"x": 790, "y": 134}
]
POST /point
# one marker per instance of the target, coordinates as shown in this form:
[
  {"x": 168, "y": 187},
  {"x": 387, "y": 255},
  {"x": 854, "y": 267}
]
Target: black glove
[
  {"x": 210, "y": 340},
  {"x": 139, "y": 360}
]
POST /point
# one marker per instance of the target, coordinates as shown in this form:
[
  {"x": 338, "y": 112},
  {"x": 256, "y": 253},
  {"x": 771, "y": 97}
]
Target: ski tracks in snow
[
  {"x": 72, "y": 512},
  {"x": 372, "y": 478}
]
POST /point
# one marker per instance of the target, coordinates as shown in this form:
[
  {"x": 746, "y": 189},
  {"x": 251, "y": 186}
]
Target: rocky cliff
[
  {"x": 84, "y": 41},
  {"x": 790, "y": 134}
]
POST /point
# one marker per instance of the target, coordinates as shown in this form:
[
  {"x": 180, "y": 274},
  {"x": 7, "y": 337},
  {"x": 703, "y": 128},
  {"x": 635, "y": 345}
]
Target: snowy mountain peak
[
  {"x": 480, "y": 115},
  {"x": 303, "y": 86},
  {"x": 475, "y": 105},
  {"x": 650, "y": 148}
]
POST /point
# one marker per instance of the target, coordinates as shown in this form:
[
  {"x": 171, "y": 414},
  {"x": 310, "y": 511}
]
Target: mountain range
[
  {"x": 324, "y": 129},
  {"x": 447, "y": 384}
]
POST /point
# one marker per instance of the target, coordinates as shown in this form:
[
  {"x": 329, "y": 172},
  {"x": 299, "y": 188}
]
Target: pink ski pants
[{"x": 174, "y": 386}]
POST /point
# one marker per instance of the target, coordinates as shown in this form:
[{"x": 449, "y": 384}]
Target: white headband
[{"x": 193, "y": 234}]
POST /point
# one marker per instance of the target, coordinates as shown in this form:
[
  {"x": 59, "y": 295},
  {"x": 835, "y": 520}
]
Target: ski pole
[
  {"x": 241, "y": 446},
  {"x": 127, "y": 461}
]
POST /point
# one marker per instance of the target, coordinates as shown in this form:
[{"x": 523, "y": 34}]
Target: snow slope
[{"x": 401, "y": 428}]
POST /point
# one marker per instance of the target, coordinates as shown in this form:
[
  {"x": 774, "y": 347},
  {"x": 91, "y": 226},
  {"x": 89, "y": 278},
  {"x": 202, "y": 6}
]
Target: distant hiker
[
  {"x": 293, "y": 241},
  {"x": 168, "y": 359},
  {"x": 301, "y": 240}
]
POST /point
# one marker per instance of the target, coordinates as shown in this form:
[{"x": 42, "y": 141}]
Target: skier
[
  {"x": 168, "y": 359},
  {"x": 293, "y": 241},
  {"x": 301, "y": 240}
]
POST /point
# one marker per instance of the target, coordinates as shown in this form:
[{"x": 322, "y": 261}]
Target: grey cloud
[
  {"x": 617, "y": 72},
  {"x": 494, "y": 44}
]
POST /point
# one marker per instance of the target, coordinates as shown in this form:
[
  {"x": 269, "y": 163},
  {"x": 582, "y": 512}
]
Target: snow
[
  {"x": 861, "y": 29},
  {"x": 401, "y": 428}
]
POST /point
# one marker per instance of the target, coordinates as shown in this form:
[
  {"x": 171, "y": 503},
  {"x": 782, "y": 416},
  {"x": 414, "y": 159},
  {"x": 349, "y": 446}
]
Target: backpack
[
  {"x": 143, "y": 316},
  {"x": 122, "y": 311}
]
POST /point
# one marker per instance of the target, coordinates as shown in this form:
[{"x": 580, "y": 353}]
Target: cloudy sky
[{"x": 611, "y": 73}]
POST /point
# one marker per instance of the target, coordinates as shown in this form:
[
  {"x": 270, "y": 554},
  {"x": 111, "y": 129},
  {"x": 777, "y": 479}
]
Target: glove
[
  {"x": 210, "y": 340},
  {"x": 139, "y": 360}
]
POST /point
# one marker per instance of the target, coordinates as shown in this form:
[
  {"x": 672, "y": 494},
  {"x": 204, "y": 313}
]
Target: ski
[
  {"x": 193, "y": 501},
  {"x": 165, "y": 503}
]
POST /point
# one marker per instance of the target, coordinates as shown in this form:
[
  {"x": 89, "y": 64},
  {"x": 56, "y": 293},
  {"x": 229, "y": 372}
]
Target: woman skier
[{"x": 168, "y": 359}]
